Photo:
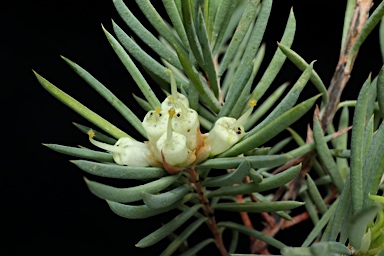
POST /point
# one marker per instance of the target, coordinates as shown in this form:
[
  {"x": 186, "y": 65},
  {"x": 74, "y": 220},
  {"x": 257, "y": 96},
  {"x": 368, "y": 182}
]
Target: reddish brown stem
[{"x": 208, "y": 211}]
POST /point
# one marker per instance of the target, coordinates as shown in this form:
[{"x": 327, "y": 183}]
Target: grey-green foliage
[{"x": 214, "y": 49}]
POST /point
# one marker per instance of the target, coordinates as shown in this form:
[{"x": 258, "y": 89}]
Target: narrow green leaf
[
  {"x": 373, "y": 165},
  {"x": 176, "y": 19},
  {"x": 168, "y": 228},
  {"x": 302, "y": 65},
  {"x": 342, "y": 141},
  {"x": 198, "y": 247},
  {"x": 277, "y": 60},
  {"x": 368, "y": 27},
  {"x": 310, "y": 207},
  {"x": 157, "y": 21},
  {"x": 358, "y": 224},
  {"x": 251, "y": 232},
  {"x": 81, "y": 109},
  {"x": 320, "y": 225},
  {"x": 271, "y": 129},
  {"x": 258, "y": 206},
  {"x": 241, "y": 30},
  {"x": 286, "y": 103},
  {"x": 133, "y": 70},
  {"x": 234, "y": 241},
  {"x": 237, "y": 176},
  {"x": 109, "y": 96},
  {"x": 265, "y": 106},
  {"x": 137, "y": 211},
  {"x": 190, "y": 30},
  {"x": 347, "y": 21},
  {"x": 274, "y": 181},
  {"x": 120, "y": 171},
  {"x": 381, "y": 37},
  {"x": 380, "y": 84},
  {"x": 325, "y": 155},
  {"x": 235, "y": 91},
  {"x": 82, "y": 153},
  {"x": 357, "y": 141},
  {"x": 255, "y": 38},
  {"x": 315, "y": 195},
  {"x": 132, "y": 194},
  {"x": 206, "y": 95},
  {"x": 342, "y": 206},
  {"x": 172, "y": 247},
  {"x": 98, "y": 135},
  {"x": 165, "y": 199},
  {"x": 142, "y": 103},
  {"x": 279, "y": 146},
  {"x": 144, "y": 58},
  {"x": 255, "y": 176},
  {"x": 209, "y": 66},
  {"x": 220, "y": 16},
  {"x": 146, "y": 36}
]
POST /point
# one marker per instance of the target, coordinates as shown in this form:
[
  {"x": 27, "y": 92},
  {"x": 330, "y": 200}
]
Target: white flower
[
  {"x": 171, "y": 100},
  {"x": 126, "y": 151},
  {"x": 155, "y": 124}
]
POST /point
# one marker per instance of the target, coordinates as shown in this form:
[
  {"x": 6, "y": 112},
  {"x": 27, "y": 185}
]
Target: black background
[{"x": 45, "y": 205}]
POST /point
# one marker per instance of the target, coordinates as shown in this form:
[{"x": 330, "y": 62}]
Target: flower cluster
[{"x": 174, "y": 137}]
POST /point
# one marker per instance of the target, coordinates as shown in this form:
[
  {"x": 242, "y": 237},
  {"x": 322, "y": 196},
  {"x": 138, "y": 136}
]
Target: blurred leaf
[
  {"x": 380, "y": 84},
  {"x": 237, "y": 176},
  {"x": 172, "y": 247},
  {"x": 358, "y": 225},
  {"x": 132, "y": 194},
  {"x": 81, "y": 109},
  {"x": 251, "y": 232},
  {"x": 168, "y": 228},
  {"x": 257, "y": 207},
  {"x": 82, "y": 153},
  {"x": 357, "y": 140},
  {"x": 165, "y": 199},
  {"x": 120, "y": 171},
  {"x": 198, "y": 247},
  {"x": 98, "y": 135}
]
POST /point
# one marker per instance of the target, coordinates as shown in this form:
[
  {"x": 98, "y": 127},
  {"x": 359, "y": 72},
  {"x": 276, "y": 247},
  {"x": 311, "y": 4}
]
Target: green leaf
[
  {"x": 120, "y": 171},
  {"x": 271, "y": 129},
  {"x": 251, "y": 232},
  {"x": 162, "y": 200},
  {"x": 277, "y": 60},
  {"x": 342, "y": 141},
  {"x": 109, "y": 96},
  {"x": 279, "y": 146},
  {"x": 144, "y": 58},
  {"x": 157, "y": 21},
  {"x": 302, "y": 65},
  {"x": 381, "y": 36},
  {"x": 146, "y": 36},
  {"x": 265, "y": 106},
  {"x": 358, "y": 224},
  {"x": 81, "y": 109},
  {"x": 133, "y": 70},
  {"x": 310, "y": 207},
  {"x": 168, "y": 228},
  {"x": 172, "y": 247},
  {"x": 132, "y": 194},
  {"x": 198, "y": 247},
  {"x": 234, "y": 241},
  {"x": 351, "y": 4},
  {"x": 142, "y": 103},
  {"x": 237, "y": 176},
  {"x": 274, "y": 181},
  {"x": 258, "y": 206},
  {"x": 380, "y": 85},
  {"x": 357, "y": 140},
  {"x": 82, "y": 153},
  {"x": 255, "y": 176},
  {"x": 137, "y": 211},
  {"x": 98, "y": 135},
  {"x": 206, "y": 95},
  {"x": 221, "y": 14},
  {"x": 315, "y": 195},
  {"x": 241, "y": 30},
  {"x": 320, "y": 225},
  {"x": 286, "y": 103},
  {"x": 176, "y": 19},
  {"x": 325, "y": 155},
  {"x": 235, "y": 91},
  {"x": 368, "y": 27},
  {"x": 317, "y": 249}
]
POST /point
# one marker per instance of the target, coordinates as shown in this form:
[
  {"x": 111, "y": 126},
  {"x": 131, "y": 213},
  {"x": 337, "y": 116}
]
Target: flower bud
[
  {"x": 155, "y": 124},
  {"x": 126, "y": 151},
  {"x": 186, "y": 122},
  {"x": 171, "y": 100}
]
